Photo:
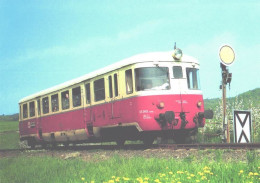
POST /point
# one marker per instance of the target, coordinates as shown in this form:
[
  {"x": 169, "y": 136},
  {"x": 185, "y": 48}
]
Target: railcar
[{"x": 139, "y": 98}]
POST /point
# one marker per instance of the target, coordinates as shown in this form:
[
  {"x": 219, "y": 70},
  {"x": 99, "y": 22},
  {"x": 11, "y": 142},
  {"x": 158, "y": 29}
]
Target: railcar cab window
[
  {"x": 193, "y": 78},
  {"x": 45, "y": 105},
  {"x": 32, "y": 109},
  {"x": 88, "y": 99},
  {"x": 177, "y": 72},
  {"x": 25, "y": 111},
  {"x": 76, "y": 96},
  {"x": 99, "y": 89},
  {"x": 152, "y": 78},
  {"x": 65, "y": 100},
  {"x": 129, "y": 81},
  {"x": 55, "y": 103}
]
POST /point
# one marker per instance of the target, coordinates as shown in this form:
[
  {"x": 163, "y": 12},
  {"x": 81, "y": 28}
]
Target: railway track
[
  {"x": 211, "y": 146},
  {"x": 248, "y": 146}
]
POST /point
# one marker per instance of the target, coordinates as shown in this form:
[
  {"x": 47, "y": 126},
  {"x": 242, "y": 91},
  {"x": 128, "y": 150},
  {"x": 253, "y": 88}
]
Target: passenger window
[
  {"x": 76, "y": 96},
  {"x": 45, "y": 105},
  {"x": 65, "y": 100},
  {"x": 115, "y": 85},
  {"x": 55, "y": 103},
  {"x": 129, "y": 81},
  {"x": 177, "y": 72},
  {"x": 39, "y": 107},
  {"x": 25, "y": 111},
  {"x": 99, "y": 89},
  {"x": 110, "y": 87},
  {"x": 88, "y": 99},
  {"x": 32, "y": 109}
]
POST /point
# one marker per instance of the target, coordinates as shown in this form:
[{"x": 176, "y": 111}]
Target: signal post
[{"x": 227, "y": 57}]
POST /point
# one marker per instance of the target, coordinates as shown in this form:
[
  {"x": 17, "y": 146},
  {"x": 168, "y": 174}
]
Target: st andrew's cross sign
[{"x": 242, "y": 126}]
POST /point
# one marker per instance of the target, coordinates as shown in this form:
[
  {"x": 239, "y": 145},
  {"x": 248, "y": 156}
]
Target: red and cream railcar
[{"x": 139, "y": 98}]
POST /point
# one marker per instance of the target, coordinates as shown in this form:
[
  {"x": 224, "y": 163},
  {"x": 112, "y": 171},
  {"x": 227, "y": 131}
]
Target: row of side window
[
  {"x": 99, "y": 94},
  {"x": 65, "y": 104}
]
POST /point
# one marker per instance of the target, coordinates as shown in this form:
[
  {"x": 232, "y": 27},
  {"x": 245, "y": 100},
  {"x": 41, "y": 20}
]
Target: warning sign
[{"x": 242, "y": 126}]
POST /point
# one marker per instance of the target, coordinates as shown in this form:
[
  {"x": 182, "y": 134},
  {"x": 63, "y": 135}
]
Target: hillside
[
  {"x": 248, "y": 98},
  {"x": 13, "y": 117}
]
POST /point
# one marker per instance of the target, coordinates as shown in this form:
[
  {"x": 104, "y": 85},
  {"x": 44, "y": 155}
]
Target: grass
[
  {"x": 9, "y": 141},
  {"x": 9, "y": 126},
  {"x": 118, "y": 169},
  {"x": 9, "y": 138}
]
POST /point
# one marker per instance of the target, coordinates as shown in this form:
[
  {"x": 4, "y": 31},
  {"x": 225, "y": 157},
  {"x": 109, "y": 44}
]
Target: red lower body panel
[{"x": 143, "y": 110}]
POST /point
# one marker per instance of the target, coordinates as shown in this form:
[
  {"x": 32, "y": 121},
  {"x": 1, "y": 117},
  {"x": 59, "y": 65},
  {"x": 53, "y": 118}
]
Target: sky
[{"x": 45, "y": 43}]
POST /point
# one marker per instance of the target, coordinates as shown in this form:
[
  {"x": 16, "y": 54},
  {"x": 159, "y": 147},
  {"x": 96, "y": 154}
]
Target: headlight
[
  {"x": 160, "y": 105},
  {"x": 199, "y": 104},
  {"x": 177, "y": 54}
]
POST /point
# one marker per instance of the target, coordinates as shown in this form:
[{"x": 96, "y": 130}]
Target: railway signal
[{"x": 227, "y": 57}]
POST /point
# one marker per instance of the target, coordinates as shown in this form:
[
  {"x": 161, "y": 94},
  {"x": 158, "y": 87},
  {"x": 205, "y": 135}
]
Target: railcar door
[
  {"x": 114, "y": 95},
  {"x": 88, "y": 122},
  {"x": 38, "y": 119}
]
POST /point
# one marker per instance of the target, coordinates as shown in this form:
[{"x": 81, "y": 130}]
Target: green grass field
[
  {"x": 9, "y": 137},
  {"x": 117, "y": 169},
  {"x": 9, "y": 126}
]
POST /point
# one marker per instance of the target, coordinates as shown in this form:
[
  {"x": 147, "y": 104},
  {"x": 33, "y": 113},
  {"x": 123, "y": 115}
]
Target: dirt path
[{"x": 101, "y": 155}]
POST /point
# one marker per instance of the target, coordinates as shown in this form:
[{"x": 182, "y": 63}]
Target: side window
[
  {"x": 45, "y": 105},
  {"x": 177, "y": 72},
  {"x": 129, "y": 81},
  {"x": 115, "y": 85},
  {"x": 32, "y": 109},
  {"x": 25, "y": 111},
  {"x": 65, "y": 100},
  {"x": 76, "y": 96},
  {"x": 55, "y": 103},
  {"x": 88, "y": 99},
  {"x": 99, "y": 89},
  {"x": 39, "y": 106},
  {"x": 110, "y": 87}
]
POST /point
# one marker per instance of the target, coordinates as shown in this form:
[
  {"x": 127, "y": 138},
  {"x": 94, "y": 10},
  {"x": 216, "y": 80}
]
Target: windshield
[
  {"x": 152, "y": 78},
  {"x": 193, "y": 78}
]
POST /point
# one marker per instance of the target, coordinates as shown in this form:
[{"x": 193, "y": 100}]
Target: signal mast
[{"x": 227, "y": 57}]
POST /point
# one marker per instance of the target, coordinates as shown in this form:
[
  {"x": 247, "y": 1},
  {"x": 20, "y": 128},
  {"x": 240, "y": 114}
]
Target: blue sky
[{"x": 45, "y": 43}]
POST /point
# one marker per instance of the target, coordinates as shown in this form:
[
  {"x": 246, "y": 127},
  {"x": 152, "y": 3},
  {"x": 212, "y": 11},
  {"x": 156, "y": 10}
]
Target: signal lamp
[{"x": 227, "y": 55}]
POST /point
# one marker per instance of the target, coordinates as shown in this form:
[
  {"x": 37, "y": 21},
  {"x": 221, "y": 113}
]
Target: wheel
[
  {"x": 66, "y": 144},
  {"x": 31, "y": 144},
  {"x": 148, "y": 141},
  {"x": 185, "y": 137},
  {"x": 120, "y": 142},
  {"x": 44, "y": 145},
  {"x": 180, "y": 137}
]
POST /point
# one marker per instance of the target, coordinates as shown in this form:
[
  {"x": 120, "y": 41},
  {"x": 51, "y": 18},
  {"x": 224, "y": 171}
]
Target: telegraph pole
[{"x": 227, "y": 57}]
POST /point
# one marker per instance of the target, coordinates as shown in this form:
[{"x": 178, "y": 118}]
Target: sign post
[{"x": 227, "y": 57}]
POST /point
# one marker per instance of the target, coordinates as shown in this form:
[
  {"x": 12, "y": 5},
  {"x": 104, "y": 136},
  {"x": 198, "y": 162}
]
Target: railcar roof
[{"x": 140, "y": 58}]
